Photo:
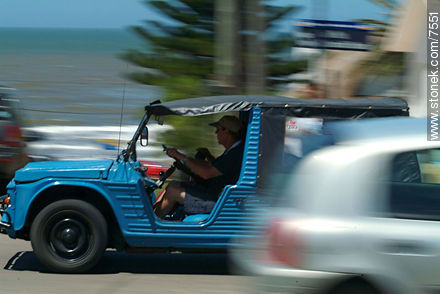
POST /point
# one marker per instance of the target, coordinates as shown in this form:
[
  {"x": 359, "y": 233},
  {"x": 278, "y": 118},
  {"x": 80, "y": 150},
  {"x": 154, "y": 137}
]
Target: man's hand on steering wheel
[
  {"x": 179, "y": 158},
  {"x": 181, "y": 162},
  {"x": 174, "y": 153}
]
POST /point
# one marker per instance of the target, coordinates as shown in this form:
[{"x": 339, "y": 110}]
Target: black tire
[{"x": 69, "y": 236}]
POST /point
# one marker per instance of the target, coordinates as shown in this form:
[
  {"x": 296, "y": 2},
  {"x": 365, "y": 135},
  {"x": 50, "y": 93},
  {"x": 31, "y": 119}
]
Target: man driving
[{"x": 200, "y": 197}]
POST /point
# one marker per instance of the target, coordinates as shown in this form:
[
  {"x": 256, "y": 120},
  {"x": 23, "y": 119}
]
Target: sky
[{"x": 125, "y": 13}]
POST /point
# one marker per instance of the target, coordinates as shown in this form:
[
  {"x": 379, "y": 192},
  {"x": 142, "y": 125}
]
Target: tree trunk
[
  {"x": 255, "y": 48},
  {"x": 227, "y": 43}
]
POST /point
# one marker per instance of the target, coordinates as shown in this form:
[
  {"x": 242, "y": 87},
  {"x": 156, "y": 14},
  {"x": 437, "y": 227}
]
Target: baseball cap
[{"x": 228, "y": 122}]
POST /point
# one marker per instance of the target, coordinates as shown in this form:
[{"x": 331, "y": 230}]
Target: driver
[{"x": 200, "y": 197}]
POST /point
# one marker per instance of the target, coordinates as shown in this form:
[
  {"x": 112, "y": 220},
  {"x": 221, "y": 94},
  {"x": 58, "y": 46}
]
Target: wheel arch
[
  {"x": 70, "y": 191},
  {"x": 365, "y": 282}
]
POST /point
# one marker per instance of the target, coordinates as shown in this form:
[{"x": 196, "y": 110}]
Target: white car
[{"x": 359, "y": 216}]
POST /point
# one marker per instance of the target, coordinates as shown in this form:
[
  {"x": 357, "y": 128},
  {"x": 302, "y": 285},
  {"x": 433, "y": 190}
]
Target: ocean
[
  {"x": 73, "y": 76},
  {"x": 72, "y": 90}
]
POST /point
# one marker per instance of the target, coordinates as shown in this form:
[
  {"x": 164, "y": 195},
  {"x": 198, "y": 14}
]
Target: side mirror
[{"x": 144, "y": 137}]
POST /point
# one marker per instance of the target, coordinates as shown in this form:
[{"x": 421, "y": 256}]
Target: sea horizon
[{"x": 61, "y": 40}]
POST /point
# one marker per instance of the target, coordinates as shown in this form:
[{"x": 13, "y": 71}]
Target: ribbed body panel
[
  {"x": 249, "y": 170},
  {"x": 131, "y": 207},
  {"x": 239, "y": 213}
]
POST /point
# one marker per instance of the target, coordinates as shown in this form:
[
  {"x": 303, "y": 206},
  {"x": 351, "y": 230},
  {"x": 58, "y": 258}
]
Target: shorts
[{"x": 196, "y": 201}]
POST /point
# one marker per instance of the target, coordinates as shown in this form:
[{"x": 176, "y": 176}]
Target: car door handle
[{"x": 406, "y": 248}]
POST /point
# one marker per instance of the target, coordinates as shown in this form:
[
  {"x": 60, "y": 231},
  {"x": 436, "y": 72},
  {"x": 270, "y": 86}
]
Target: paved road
[{"x": 21, "y": 273}]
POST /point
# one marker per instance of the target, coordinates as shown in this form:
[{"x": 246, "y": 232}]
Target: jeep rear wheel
[{"x": 69, "y": 236}]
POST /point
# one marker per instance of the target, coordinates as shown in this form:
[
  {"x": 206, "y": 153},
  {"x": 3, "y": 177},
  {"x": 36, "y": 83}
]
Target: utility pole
[
  {"x": 240, "y": 46},
  {"x": 227, "y": 46},
  {"x": 255, "y": 78}
]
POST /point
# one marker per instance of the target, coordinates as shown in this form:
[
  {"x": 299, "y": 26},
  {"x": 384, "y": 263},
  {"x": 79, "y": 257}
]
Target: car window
[
  {"x": 430, "y": 166},
  {"x": 414, "y": 185}
]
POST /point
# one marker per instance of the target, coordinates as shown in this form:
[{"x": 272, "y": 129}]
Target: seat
[{"x": 195, "y": 218}]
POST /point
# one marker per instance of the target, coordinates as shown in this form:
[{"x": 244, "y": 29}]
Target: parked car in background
[
  {"x": 12, "y": 145},
  {"x": 359, "y": 216}
]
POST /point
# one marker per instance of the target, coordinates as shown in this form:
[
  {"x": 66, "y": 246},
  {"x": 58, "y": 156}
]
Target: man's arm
[{"x": 201, "y": 168}]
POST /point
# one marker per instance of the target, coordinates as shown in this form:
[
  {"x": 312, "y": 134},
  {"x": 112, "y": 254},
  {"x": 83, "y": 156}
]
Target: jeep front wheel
[{"x": 69, "y": 236}]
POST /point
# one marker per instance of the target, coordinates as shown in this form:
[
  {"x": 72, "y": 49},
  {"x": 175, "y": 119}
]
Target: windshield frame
[{"x": 130, "y": 152}]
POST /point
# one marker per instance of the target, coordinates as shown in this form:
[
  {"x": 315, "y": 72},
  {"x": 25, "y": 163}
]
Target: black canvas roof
[{"x": 217, "y": 104}]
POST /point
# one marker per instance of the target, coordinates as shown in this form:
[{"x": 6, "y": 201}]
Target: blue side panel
[
  {"x": 249, "y": 169},
  {"x": 130, "y": 203},
  {"x": 130, "y": 199},
  {"x": 237, "y": 212},
  {"x": 123, "y": 189},
  {"x": 26, "y": 194}
]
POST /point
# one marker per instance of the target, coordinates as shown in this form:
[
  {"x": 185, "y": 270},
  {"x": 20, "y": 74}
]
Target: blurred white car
[{"x": 360, "y": 216}]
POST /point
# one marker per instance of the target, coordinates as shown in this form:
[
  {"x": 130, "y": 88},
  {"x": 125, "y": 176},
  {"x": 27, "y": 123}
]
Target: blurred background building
[{"x": 395, "y": 65}]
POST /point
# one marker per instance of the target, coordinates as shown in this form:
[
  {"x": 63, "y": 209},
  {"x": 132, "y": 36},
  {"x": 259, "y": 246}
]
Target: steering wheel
[
  {"x": 178, "y": 164},
  {"x": 164, "y": 176}
]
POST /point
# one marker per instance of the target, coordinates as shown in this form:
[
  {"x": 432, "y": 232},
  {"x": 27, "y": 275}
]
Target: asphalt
[{"x": 124, "y": 273}]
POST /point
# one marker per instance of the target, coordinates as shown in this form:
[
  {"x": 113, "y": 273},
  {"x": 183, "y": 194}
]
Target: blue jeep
[{"x": 72, "y": 211}]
